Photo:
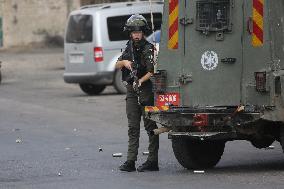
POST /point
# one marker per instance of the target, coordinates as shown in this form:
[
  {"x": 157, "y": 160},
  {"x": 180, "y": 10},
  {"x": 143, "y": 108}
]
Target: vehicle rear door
[
  {"x": 212, "y": 52},
  {"x": 79, "y": 44}
]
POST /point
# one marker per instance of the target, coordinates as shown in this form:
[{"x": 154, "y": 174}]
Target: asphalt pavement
[{"x": 51, "y": 134}]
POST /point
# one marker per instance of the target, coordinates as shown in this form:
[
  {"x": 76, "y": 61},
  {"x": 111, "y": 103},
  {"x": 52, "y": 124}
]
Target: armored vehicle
[{"x": 220, "y": 76}]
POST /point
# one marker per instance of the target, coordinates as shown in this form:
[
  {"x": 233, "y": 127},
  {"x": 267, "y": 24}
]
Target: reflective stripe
[
  {"x": 156, "y": 108},
  {"x": 258, "y": 11},
  {"x": 173, "y": 24}
]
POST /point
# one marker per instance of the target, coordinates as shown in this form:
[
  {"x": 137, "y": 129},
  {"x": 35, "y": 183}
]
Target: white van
[{"x": 94, "y": 40}]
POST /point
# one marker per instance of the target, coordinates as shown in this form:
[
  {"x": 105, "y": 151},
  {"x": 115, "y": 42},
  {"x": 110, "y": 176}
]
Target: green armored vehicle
[{"x": 220, "y": 76}]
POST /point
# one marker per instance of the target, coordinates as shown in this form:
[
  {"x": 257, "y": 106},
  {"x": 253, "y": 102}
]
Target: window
[
  {"x": 115, "y": 25},
  {"x": 80, "y": 29},
  {"x": 213, "y": 15}
]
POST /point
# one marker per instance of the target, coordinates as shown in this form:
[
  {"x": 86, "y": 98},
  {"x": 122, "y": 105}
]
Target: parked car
[
  {"x": 94, "y": 40},
  {"x": 155, "y": 39}
]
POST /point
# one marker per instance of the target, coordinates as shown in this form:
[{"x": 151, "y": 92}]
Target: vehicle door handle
[
  {"x": 228, "y": 60},
  {"x": 250, "y": 25}
]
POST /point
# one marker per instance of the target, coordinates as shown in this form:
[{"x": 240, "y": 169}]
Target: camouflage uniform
[{"x": 143, "y": 54}]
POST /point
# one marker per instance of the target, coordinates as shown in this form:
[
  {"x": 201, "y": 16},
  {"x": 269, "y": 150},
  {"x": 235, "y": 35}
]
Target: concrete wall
[
  {"x": 29, "y": 22},
  {"x": 38, "y": 22},
  {"x": 1, "y": 7}
]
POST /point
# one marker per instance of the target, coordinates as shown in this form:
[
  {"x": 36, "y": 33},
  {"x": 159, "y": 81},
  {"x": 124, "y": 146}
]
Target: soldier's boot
[
  {"x": 148, "y": 166},
  {"x": 128, "y": 166}
]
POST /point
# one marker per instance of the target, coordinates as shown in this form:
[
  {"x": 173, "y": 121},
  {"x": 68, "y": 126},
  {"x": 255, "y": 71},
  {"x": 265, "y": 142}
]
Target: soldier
[{"x": 136, "y": 64}]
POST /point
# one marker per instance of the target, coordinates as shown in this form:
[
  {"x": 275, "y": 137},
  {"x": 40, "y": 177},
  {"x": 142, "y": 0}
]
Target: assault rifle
[
  {"x": 133, "y": 73},
  {"x": 128, "y": 76}
]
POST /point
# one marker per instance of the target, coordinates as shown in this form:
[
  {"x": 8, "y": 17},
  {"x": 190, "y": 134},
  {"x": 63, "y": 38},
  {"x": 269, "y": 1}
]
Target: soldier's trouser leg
[
  {"x": 153, "y": 140},
  {"x": 133, "y": 111},
  {"x": 147, "y": 97}
]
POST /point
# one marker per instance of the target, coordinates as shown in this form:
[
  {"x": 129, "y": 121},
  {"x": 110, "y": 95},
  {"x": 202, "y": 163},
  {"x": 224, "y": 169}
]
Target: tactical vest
[{"x": 139, "y": 64}]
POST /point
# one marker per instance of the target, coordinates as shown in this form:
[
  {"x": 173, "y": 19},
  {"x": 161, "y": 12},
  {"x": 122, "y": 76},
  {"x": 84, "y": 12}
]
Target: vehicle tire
[
  {"x": 117, "y": 82},
  {"x": 0, "y": 77},
  {"x": 92, "y": 89},
  {"x": 282, "y": 137},
  {"x": 263, "y": 142},
  {"x": 197, "y": 154}
]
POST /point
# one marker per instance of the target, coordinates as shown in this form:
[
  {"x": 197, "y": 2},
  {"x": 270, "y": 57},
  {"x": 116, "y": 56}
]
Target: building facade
[
  {"x": 37, "y": 22},
  {"x": 1, "y": 22}
]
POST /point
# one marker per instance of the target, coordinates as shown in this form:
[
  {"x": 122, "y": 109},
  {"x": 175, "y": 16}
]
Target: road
[{"x": 50, "y": 135}]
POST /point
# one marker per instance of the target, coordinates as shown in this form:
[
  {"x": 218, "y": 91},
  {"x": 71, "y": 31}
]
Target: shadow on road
[
  {"x": 272, "y": 166},
  {"x": 265, "y": 167}
]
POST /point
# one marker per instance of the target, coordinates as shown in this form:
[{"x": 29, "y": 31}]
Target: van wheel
[
  {"x": 92, "y": 89},
  {"x": 118, "y": 84},
  {"x": 197, "y": 154}
]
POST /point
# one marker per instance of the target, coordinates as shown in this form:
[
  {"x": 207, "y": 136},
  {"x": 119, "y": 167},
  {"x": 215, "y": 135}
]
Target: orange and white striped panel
[
  {"x": 156, "y": 108},
  {"x": 257, "y": 35},
  {"x": 173, "y": 24}
]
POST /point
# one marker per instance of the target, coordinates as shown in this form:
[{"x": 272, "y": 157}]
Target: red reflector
[
  {"x": 200, "y": 120},
  {"x": 98, "y": 54},
  {"x": 167, "y": 99}
]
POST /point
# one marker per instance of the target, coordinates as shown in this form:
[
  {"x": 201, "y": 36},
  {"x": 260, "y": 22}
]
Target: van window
[
  {"x": 80, "y": 29},
  {"x": 115, "y": 25}
]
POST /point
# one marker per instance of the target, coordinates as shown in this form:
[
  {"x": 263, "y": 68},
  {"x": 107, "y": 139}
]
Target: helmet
[{"x": 136, "y": 22}]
